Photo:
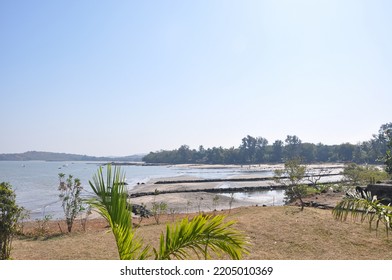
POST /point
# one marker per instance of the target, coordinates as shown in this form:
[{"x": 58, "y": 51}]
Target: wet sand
[{"x": 182, "y": 201}]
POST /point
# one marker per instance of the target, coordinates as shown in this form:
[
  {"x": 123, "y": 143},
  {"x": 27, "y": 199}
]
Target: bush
[
  {"x": 363, "y": 175},
  {"x": 9, "y": 216},
  {"x": 71, "y": 201}
]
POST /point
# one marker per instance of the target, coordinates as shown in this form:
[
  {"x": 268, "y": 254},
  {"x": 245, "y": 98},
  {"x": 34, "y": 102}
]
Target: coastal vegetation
[
  {"x": 257, "y": 150},
  {"x": 199, "y": 235},
  {"x": 70, "y": 191},
  {"x": 363, "y": 174},
  {"x": 295, "y": 189},
  {"x": 362, "y": 203},
  {"x": 209, "y": 235},
  {"x": 9, "y": 216},
  {"x": 363, "y": 206}
]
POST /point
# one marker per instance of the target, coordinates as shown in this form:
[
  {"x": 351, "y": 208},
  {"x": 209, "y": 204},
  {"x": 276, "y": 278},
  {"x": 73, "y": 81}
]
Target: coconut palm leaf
[
  {"x": 363, "y": 206},
  {"x": 198, "y": 236},
  {"x": 111, "y": 203}
]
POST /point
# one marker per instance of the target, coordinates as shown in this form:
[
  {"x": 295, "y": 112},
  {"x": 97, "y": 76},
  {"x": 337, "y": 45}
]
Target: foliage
[
  {"x": 256, "y": 150},
  {"x": 197, "y": 236},
  {"x": 361, "y": 204},
  {"x": 158, "y": 208},
  {"x": 42, "y": 225},
  {"x": 200, "y": 232},
  {"x": 388, "y": 153},
  {"x": 111, "y": 204},
  {"x": 9, "y": 216},
  {"x": 72, "y": 203},
  {"x": 295, "y": 172},
  {"x": 361, "y": 175}
]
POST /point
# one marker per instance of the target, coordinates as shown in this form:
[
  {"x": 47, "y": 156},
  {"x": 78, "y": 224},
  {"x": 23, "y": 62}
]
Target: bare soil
[{"x": 278, "y": 233}]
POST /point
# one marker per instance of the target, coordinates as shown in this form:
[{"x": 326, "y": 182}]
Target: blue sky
[{"x": 125, "y": 77}]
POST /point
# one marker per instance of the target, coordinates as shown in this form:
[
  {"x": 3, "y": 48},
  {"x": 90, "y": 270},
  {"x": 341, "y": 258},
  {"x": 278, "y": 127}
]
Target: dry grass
[{"x": 279, "y": 233}]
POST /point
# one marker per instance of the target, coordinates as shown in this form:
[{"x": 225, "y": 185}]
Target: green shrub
[
  {"x": 9, "y": 216},
  {"x": 363, "y": 174}
]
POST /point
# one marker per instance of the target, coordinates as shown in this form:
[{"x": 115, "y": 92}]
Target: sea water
[{"x": 36, "y": 182}]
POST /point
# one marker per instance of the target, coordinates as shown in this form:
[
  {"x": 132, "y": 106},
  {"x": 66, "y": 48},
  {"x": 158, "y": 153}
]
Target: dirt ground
[{"x": 277, "y": 233}]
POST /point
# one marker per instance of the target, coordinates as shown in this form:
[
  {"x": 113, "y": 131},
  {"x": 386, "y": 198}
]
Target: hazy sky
[{"x": 125, "y": 77}]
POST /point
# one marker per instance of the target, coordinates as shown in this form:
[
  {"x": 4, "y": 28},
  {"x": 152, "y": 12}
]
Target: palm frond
[
  {"x": 200, "y": 234},
  {"x": 111, "y": 204},
  {"x": 363, "y": 206}
]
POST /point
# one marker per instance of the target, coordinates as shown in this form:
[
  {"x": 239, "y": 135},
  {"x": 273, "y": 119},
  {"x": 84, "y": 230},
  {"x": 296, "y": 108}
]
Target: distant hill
[{"x": 48, "y": 156}]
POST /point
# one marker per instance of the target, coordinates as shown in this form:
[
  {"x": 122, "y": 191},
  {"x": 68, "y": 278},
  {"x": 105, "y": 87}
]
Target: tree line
[{"x": 257, "y": 150}]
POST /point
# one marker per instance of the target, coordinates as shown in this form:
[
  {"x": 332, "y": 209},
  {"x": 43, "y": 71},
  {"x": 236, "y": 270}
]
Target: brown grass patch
[{"x": 278, "y": 233}]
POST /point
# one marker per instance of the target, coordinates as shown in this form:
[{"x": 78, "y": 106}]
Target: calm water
[{"x": 35, "y": 182}]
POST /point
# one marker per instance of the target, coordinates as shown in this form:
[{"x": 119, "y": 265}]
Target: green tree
[
  {"x": 363, "y": 174},
  {"x": 72, "y": 203},
  {"x": 322, "y": 153},
  {"x": 308, "y": 151},
  {"x": 345, "y": 152},
  {"x": 388, "y": 153},
  {"x": 9, "y": 216},
  {"x": 198, "y": 235},
  {"x": 277, "y": 151},
  {"x": 248, "y": 149},
  {"x": 292, "y": 147},
  {"x": 294, "y": 171}
]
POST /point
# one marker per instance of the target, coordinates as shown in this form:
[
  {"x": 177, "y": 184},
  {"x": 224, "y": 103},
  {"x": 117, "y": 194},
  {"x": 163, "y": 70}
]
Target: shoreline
[{"x": 184, "y": 193}]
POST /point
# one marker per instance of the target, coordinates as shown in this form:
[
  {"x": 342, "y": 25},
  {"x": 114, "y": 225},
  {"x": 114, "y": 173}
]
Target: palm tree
[
  {"x": 198, "y": 235},
  {"x": 361, "y": 204}
]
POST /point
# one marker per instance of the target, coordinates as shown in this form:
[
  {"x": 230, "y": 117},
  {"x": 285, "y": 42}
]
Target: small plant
[
  {"x": 72, "y": 203},
  {"x": 84, "y": 219},
  {"x": 231, "y": 201},
  {"x": 361, "y": 204},
  {"x": 158, "y": 208},
  {"x": 23, "y": 216},
  {"x": 9, "y": 216},
  {"x": 42, "y": 225},
  {"x": 172, "y": 213}
]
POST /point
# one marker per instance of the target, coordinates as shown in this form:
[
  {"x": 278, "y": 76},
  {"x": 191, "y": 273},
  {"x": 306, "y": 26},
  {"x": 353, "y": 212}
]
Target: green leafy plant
[
  {"x": 72, "y": 203},
  {"x": 363, "y": 174},
  {"x": 295, "y": 189},
  {"x": 363, "y": 206},
  {"x": 388, "y": 155},
  {"x": 197, "y": 235},
  {"x": 9, "y": 216},
  {"x": 111, "y": 204}
]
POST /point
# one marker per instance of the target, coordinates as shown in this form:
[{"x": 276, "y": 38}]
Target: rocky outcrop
[{"x": 382, "y": 190}]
